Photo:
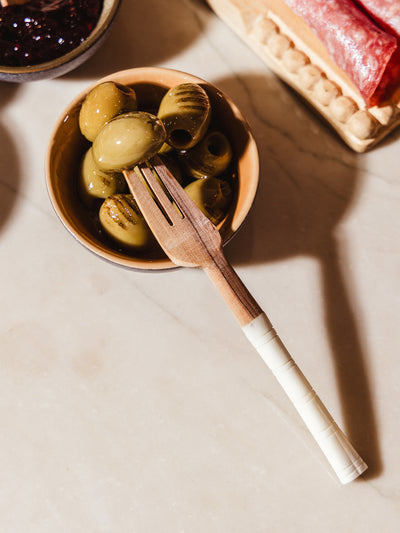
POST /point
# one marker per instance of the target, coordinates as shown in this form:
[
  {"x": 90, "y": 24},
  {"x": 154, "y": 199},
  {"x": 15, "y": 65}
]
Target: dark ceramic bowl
[
  {"x": 66, "y": 63},
  {"x": 67, "y": 146}
]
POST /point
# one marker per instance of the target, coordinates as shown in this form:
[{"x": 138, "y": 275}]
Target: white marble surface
[{"x": 132, "y": 402}]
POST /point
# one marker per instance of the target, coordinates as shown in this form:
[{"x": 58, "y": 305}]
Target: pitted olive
[
  {"x": 103, "y": 103},
  {"x": 210, "y": 157},
  {"x": 212, "y": 195},
  {"x": 185, "y": 111},
  {"x": 95, "y": 183},
  {"x": 127, "y": 140},
  {"x": 122, "y": 220}
]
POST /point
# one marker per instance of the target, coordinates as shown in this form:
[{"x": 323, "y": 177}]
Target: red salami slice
[
  {"x": 355, "y": 43},
  {"x": 386, "y": 14}
]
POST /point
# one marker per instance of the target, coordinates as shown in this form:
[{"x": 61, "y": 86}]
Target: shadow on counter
[
  {"x": 146, "y": 34},
  {"x": 9, "y": 164},
  {"x": 308, "y": 182}
]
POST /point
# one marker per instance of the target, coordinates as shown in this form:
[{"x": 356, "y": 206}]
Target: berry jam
[{"x": 41, "y": 30}]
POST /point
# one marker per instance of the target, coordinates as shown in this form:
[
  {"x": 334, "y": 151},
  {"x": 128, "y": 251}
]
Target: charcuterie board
[{"x": 293, "y": 52}]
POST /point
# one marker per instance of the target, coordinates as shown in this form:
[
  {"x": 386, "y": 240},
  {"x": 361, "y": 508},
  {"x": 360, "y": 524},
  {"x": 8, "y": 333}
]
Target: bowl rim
[
  {"x": 105, "y": 19},
  {"x": 149, "y": 75}
]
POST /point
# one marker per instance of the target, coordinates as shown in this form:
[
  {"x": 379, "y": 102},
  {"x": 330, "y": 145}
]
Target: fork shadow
[{"x": 308, "y": 182}]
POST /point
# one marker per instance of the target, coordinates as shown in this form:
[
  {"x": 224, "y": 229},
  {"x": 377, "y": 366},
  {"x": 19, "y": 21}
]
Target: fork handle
[{"x": 341, "y": 455}]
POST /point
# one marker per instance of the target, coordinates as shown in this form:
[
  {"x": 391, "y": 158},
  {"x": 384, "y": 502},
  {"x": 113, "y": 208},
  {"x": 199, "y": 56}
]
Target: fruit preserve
[{"x": 41, "y": 30}]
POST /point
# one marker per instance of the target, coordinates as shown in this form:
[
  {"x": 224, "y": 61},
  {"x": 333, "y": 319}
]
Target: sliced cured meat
[
  {"x": 386, "y": 14},
  {"x": 357, "y": 45}
]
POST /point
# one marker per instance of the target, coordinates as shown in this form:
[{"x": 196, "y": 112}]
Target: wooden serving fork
[{"x": 189, "y": 239}]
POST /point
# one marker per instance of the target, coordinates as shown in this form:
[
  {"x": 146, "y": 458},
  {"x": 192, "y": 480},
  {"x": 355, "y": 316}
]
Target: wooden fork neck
[{"x": 232, "y": 289}]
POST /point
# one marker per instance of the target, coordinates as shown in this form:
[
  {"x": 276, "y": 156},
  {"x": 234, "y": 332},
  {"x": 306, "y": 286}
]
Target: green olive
[
  {"x": 103, "y": 103},
  {"x": 211, "y": 157},
  {"x": 185, "y": 111},
  {"x": 95, "y": 183},
  {"x": 122, "y": 220},
  {"x": 127, "y": 140},
  {"x": 212, "y": 195}
]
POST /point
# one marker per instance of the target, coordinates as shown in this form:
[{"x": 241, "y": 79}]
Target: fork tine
[
  {"x": 160, "y": 193},
  {"x": 145, "y": 200},
  {"x": 166, "y": 176},
  {"x": 185, "y": 204}
]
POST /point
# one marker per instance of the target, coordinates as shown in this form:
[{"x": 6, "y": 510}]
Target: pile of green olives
[{"x": 121, "y": 135}]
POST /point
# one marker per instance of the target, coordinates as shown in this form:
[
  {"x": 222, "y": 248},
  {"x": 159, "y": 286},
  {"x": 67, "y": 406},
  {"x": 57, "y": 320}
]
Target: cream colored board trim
[{"x": 291, "y": 50}]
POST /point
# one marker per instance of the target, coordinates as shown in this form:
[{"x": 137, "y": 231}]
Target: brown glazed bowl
[
  {"x": 71, "y": 60},
  {"x": 67, "y": 146}
]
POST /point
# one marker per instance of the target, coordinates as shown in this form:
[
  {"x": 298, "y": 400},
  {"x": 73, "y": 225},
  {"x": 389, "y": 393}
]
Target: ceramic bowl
[
  {"x": 67, "y": 146},
  {"x": 71, "y": 60}
]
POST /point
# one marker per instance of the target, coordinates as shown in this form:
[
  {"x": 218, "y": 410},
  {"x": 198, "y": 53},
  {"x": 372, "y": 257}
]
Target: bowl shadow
[
  {"x": 164, "y": 31},
  {"x": 9, "y": 163},
  {"x": 308, "y": 183}
]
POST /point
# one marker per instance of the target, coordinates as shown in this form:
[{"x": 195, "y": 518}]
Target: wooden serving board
[{"x": 291, "y": 50}]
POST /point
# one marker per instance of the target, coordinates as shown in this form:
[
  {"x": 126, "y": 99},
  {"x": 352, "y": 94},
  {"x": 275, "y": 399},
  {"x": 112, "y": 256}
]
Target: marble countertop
[{"x": 132, "y": 402}]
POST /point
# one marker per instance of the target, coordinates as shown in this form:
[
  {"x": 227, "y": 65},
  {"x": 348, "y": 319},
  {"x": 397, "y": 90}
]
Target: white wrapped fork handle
[
  {"x": 343, "y": 458},
  {"x": 190, "y": 239}
]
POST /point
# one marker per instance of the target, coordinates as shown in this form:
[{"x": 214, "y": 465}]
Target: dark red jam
[{"x": 41, "y": 30}]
